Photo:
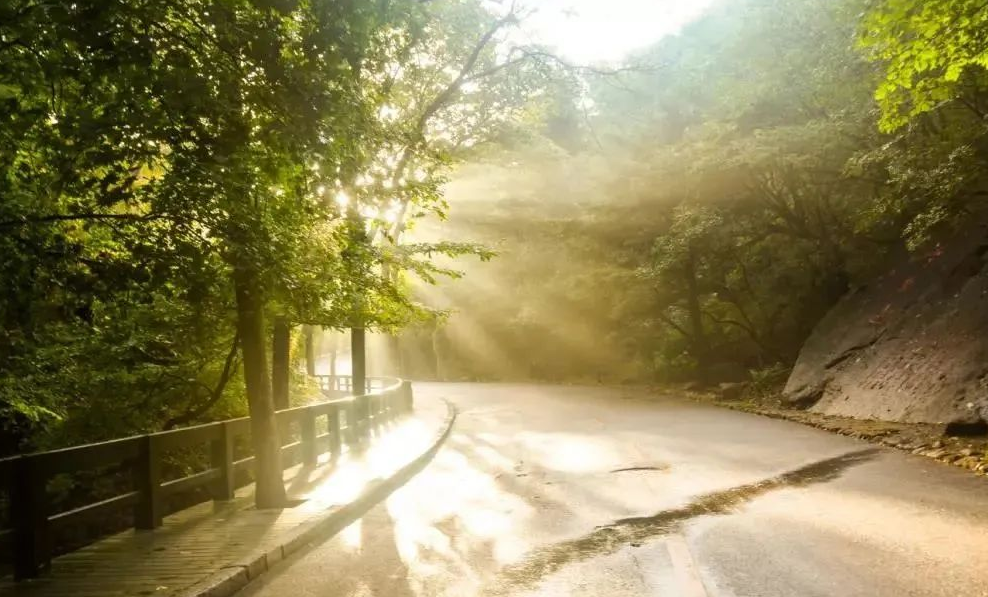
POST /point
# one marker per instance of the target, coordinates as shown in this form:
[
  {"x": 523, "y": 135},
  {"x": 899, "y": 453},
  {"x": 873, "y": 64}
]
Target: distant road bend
[{"x": 568, "y": 491}]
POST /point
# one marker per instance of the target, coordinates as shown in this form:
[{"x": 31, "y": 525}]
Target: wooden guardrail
[{"x": 348, "y": 422}]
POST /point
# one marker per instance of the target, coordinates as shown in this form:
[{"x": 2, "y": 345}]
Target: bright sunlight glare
[{"x": 594, "y": 31}]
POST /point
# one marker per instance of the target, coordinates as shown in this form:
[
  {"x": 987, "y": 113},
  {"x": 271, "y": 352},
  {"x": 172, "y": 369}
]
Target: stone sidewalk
[{"x": 196, "y": 549}]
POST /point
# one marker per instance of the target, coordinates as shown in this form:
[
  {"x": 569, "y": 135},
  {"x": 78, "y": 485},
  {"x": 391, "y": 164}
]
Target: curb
[
  {"x": 231, "y": 579},
  {"x": 964, "y": 463}
]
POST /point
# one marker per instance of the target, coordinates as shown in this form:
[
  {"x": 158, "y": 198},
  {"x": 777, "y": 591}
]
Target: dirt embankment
[{"x": 910, "y": 347}]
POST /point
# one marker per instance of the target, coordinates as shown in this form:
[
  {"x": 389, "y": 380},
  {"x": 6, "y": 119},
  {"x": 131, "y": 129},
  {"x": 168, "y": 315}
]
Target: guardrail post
[
  {"x": 147, "y": 480},
  {"x": 310, "y": 452},
  {"x": 221, "y": 458},
  {"x": 335, "y": 441},
  {"x": 372, "y": 418},
  {"x": 349, "y": 413},
  {"x": 29, "y": 511}
]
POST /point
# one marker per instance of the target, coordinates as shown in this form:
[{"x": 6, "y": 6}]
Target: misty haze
[{"x": 494, "y": 298}]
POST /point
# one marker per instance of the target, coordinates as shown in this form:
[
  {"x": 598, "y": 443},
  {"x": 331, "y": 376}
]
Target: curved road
[{"x": 570, "y": 491}]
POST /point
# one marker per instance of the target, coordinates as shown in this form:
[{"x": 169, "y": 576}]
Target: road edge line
[{"x": 233, "y": 578}]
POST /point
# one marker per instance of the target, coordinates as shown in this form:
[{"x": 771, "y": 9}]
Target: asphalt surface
[{"x": 568, "y": 491}]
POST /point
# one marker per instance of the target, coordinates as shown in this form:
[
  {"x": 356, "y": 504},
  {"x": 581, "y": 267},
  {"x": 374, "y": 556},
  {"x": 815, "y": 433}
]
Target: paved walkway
[{"x": 198, "y": 542}]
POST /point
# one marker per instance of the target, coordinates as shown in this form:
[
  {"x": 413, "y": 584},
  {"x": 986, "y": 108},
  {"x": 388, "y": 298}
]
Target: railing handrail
[
  {"x": 25, "y": 476},
  {"x": 181, "y": 430}
]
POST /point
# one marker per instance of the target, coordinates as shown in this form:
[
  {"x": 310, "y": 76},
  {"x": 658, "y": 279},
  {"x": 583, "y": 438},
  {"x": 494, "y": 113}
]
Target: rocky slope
[{"x": 912, "y": 346}]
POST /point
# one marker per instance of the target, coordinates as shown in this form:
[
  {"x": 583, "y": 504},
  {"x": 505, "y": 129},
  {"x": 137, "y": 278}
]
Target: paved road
[{"x": 560, "y": 491}]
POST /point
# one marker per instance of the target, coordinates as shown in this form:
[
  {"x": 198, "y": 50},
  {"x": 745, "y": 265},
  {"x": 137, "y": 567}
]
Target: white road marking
[{"x": 685, "y": 569}]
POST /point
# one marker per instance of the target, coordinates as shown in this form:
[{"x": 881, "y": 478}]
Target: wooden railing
[
  {"x": 344, "y": 383},
  {"x": 349, "y": 421}
]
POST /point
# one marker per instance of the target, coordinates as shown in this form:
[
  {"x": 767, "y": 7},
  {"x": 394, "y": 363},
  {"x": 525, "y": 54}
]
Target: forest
[
  {"x": 695, "y": 214},
  {"x": 190, "y": 188}
]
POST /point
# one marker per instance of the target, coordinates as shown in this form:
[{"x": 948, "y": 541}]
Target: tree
[
  {"x": 214, "y": 162},
  {"x": 177, "y": 170},
  {"x": 677, "y": 272}
]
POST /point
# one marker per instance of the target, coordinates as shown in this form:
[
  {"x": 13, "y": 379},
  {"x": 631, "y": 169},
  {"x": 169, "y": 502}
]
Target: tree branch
[
  {"x": 30, "y": 221},
  {"x": 229, "y": 369},
  {"x": 671, "y": 323}
]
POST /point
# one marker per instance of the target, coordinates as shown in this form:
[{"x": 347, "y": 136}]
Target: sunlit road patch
[{"x": 552, "y": 491}]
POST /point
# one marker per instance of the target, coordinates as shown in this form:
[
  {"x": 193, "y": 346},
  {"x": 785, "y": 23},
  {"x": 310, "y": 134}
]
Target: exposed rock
[
  {"x": 912, "y": 346},
  {"x": 969, "y": 462},
  {"x": 804, "y": 396}
]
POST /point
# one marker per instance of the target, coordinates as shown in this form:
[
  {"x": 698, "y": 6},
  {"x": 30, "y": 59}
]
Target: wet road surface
[{"x": 570, "y": 491}]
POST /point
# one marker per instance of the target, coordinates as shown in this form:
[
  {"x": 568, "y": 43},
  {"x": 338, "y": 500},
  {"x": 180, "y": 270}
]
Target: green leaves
[
  {"x": 927, "y": 48},
  {"x": 150, "y": 149}
]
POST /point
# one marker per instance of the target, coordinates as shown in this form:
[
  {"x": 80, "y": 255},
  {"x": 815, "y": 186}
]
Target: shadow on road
[{"x": 608, "y": 539}]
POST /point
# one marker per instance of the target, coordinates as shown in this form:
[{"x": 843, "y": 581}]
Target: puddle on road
[
  {"x": 634, "y": 531},
  {"x": 641, "y": 469}
]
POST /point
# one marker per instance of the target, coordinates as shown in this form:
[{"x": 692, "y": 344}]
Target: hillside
[{"x": 911, "y": 346}]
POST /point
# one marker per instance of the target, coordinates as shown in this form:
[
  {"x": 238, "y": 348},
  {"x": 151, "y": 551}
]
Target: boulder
[
  {"x": 805, "y": 396},
  {"x": 912, "y": 346}
]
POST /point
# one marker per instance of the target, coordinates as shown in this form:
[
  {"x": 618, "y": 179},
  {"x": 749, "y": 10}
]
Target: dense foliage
[
  {"x": 184, "y": 181},
  {"x": 175, "y": 176},
  {"x": 704, "y": 213}
]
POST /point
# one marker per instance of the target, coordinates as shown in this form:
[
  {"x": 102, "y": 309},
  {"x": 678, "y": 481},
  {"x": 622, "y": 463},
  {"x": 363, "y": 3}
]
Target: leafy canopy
[{"x": 928, "y": 48}]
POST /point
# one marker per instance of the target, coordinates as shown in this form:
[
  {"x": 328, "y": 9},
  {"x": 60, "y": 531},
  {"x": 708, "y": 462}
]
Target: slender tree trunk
[
  {"x": 358, "y": 356},
  {"x": 701, "y": 348},
  {"x": 358, "y": 372},
  {"x": 270, "y": 489},
  {"x": 310, "y": 350},
  {"x": 436, "y": 358},
  {"x": 281, "y": 363},
  {"x": 394, "y": 342}
]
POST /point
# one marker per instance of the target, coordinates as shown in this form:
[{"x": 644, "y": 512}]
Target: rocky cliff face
[{"x": 912, "y": 346}]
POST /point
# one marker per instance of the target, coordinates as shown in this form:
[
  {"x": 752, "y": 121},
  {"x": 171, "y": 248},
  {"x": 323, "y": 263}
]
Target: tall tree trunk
[
  {"x": 310, "y": 350},
  {"x": 332, "y": 342},
  {"x": 281, "y": 362},
  {"x": 358, "y": 356},
  {"x": 270, "y": 489},
  {"x": 434, "y": 345},
  {"x": 394, "y": 345},
  {"x": 358, "y": 372},
  {"x": 701, "y": 347}
]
